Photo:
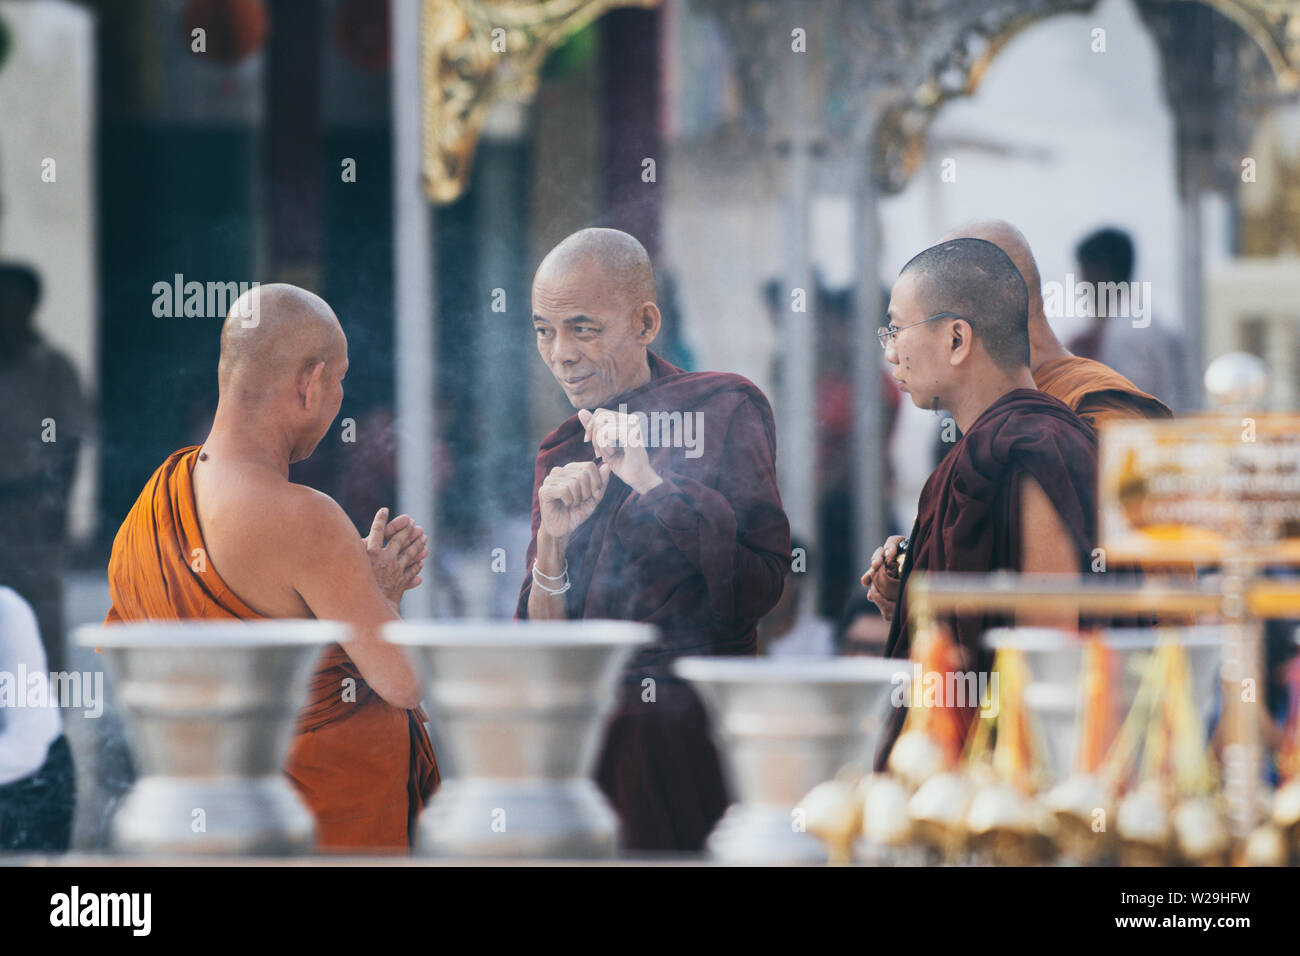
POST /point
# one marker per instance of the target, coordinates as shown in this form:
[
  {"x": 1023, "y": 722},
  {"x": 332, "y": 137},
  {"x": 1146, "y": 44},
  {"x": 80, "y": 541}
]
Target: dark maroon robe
[
  {"x": 702, "y": 556},
  {"x": 968, "y": 516}
]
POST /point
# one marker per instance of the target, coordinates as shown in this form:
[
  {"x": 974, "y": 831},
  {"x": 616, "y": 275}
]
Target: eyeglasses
[{"x": 886, "y": 333}]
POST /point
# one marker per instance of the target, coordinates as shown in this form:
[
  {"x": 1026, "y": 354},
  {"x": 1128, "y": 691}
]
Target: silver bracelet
[
  {"x": 551, "y": 577},
  {"x": 546, "y": 588}
]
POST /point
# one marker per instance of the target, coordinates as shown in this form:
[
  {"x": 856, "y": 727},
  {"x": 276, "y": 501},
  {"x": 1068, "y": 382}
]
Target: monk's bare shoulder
[
  {"x": 330, "y": 571},
  {"x": 315, "y": 523},
  {"x": 1045, "y": 541},
  {"x": 1045, "y": 548},
  {"x": 265, "y": 535}
]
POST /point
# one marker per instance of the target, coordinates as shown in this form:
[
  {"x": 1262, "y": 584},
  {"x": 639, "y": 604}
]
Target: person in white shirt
[
  {"x": 1123, "y": 333},
  {"x": 37, "y": 778}
]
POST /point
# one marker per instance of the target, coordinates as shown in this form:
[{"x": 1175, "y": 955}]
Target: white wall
[
  {"x": 47, "y": 100},
  {"x": 1088, "y": 142}
]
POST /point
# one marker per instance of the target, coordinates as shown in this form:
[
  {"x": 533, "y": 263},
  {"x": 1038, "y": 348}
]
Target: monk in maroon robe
[
  {"x": 656, "y": 502},
  {"x": 1093, "y": 391},
  {"x": 958, "y": 339}
]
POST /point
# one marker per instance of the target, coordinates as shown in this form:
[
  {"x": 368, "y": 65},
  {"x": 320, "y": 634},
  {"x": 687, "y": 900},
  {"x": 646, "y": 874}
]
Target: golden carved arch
[
  {"x": 475, "y": 52},
  {"x": 1275, "y": 26},
  {"x": 900, "y": 141}
]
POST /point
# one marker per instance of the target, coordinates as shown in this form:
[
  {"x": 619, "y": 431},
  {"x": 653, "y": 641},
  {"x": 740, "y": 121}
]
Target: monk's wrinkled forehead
[
  {"x": 275, "y": 330},
  {"x": 592, "y": 272},
  {"x": 581, "y": 289}
]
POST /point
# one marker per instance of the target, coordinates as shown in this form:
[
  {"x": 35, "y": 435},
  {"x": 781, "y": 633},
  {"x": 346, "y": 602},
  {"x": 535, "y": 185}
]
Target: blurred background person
[
  {"x": 1138, "y": 347},
  {"x": 794, "y": 628},
  {"x": 38, "y": 784},
  {"x": 45, "y": 417},
  {"x": 835, "y": 406},
  {"x": 861, "y": 631}
]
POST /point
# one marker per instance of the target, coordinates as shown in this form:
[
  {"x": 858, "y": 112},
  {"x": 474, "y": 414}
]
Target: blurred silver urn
[
  {"x": 786, "y": 725},
  {"x": 515, "y": 714},
  {"x": 210, "y": 709}
]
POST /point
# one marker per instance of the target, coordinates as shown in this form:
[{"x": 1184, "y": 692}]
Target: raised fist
[
  {"x": 569, "y": 495},
  {"x": 617, "y": 439}
]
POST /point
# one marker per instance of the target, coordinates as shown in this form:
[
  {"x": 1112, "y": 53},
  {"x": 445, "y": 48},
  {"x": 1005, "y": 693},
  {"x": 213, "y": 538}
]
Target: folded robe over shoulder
[
  {"x": 702, "y": 556},
  {"x": 968, "y": 516},
  {"x": 1096, "y": 392},
  {"x": 363, "y": 767}
]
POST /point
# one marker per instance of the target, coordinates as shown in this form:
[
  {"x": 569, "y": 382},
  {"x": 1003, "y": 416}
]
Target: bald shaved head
[
  {"x": 283, "y": 358},
  {"x": 976, "y": 280},
  {"x": 271, "y": 334},
  {"x": 595, "y": 314},
  {"x": 618, "y": 256},
  {"x": 1013, "y": 242}
]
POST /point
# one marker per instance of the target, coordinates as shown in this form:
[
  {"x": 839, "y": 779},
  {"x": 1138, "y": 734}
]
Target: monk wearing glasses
[{"x": 1017, "y": 491}]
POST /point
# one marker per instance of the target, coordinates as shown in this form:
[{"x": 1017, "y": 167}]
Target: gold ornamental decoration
[
  {"x": 1275, "y": 26},
  {"x": 901, "y": 143},
  {"x": 476, "y": 52},
  {"x": 903, "y": 128}
]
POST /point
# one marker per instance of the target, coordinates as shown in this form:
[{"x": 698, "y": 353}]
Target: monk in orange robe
[
  {"x": 219, "y": 532},
  {"x": 1093, "y": 391}
]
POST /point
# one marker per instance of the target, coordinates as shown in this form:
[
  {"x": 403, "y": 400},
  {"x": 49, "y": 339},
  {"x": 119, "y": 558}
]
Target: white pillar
[
  {"x": 49, "y": 224},
  {"x": 1281, "y": 348},
  {"x": 797, "y": 415},
  {"x": 413, "y": 279},
  {"x": 868, "y": 444},
  {"x": 1192, "y": 276}
]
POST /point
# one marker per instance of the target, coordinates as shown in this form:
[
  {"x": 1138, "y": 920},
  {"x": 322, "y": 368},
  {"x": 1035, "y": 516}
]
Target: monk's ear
[
  {"x": 309, "y": 383},
  {"x": 648, "y": 323},
  {"x": 961, "y": 342}
]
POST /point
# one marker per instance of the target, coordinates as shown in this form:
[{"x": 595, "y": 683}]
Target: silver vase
[
  {"x": 209, "y": 709},
  {"x": 515, "y": 713},
  {"x": 786, "y": 725}
]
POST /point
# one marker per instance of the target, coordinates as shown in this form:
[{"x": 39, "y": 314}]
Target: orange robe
[
  {"x": 362, "y": 766},
  {"x": 1096, "y": 392}
]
